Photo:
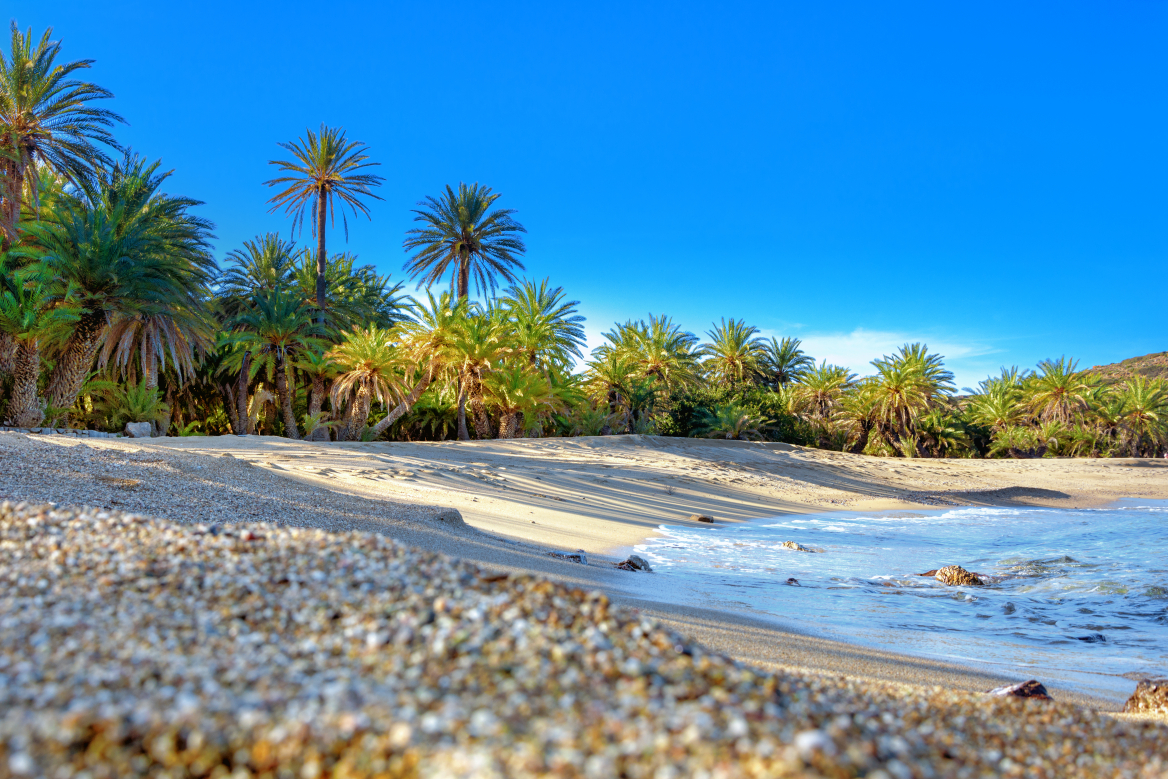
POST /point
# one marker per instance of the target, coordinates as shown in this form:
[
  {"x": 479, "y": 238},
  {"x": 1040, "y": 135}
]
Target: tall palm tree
[
  {"x": 277, "y": 330},
  {"x": 325, "y": 173},
  {"x": 46, "y": 119},
  {"x": 547, "y": 330},
  {"x": 907, "y": 384},
  {"x": 462, "y": 236},
  {"x": 153, "y": 333},
  {"x": 358, "y": 295},
  {"x": 734, "y": 353},
  {"x": 784, "y": 361}
]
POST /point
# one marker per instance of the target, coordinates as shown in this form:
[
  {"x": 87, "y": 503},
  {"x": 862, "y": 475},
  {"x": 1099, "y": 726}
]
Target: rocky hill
[{"x": 1150, "y": 365}]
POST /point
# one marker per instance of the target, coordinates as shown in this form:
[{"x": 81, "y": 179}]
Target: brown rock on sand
[
  {"x": 1150, "y": 697},
  {"x": 955, "y": 575},
  {"x": 701, "y": 518}
]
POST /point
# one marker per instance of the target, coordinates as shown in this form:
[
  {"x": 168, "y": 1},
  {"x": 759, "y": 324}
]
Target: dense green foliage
[{"x": 113, "y": 310}]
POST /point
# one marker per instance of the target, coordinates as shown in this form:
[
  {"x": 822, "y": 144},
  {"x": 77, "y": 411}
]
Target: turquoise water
[{"x": 1079, "y": 596}]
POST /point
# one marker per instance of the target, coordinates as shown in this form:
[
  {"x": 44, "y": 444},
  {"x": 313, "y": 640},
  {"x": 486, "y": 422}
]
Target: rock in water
[
  {"x": 634, "y": 563},
  {"x": 795, "y": 547},
  {"x": 700, "y": 518},
  {"x": 139, "y": 429},
  {"x": 955, "y": 575},
  {"x": 1151, "y": 696},
  {"x": 1031, "y": 689},
  {"x": 794, "y": 582}
]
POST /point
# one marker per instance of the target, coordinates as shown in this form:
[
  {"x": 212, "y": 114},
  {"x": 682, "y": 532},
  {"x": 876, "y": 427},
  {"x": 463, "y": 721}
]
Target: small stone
[
  {"x": 1030, "y": 689},
  {"x": 795, "y": 547},
  {"x": 139, "y": 429},
  {"x": 1151, "y": 696},
  {"x": 793, "y": 582},
  {"x": 701, "y": 518}
]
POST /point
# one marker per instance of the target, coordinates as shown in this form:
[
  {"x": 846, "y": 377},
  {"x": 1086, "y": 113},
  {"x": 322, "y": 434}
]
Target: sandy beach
[{"x": 519, "y": 499}]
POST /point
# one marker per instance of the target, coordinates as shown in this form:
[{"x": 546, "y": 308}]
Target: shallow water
[{"x": 1078, "y": 595}]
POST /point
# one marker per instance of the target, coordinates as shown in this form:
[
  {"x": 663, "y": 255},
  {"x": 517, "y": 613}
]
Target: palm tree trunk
[
  {"x": 315, "y": 401},
  {"x": 285, "y": 392},
  {"x": 231, "y": 407},
  {"x": 321, "y": 257},
  {"x": 13, "y": 200},
  {"x": 463, "y": 433},
  {"x": 24, "y": 408},
  {"x": 76, "y": 359},
  {"x": 511, "y": 425},
  {"x": 478, "y": 408},
  {"x": 7, "y": 354},
  {"x": 464, "y": 277},
  {"x": 403, "y": 408},
  {"x": 360, "y": 409},
  {"x": 245, "y": 426}
]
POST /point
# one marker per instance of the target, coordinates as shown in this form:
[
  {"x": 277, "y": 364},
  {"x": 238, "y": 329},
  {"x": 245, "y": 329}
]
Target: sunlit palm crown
[
  {"x": 734, "y": 353},
  {"x": 45, "y": 117},
  {"x": 546, "y": 327},
  {"x": 461, "y": 236},
  {"x": 324, "y": 171}
]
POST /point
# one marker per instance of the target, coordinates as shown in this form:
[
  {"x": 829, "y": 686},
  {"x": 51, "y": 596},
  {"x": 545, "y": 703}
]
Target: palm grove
[{"x": 113, "y": 310}]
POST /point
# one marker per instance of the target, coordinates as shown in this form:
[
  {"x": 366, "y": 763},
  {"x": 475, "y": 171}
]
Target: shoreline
[{"x": 518, "y": 499}]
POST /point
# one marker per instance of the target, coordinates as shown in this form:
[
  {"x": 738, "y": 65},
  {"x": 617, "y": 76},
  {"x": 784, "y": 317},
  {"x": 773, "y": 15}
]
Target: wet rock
[
  {"x": 1151, "y": 696},
  {"x": 1030, "y": 689},
  {"x": 793, "y": 582},
  {"x": 575, "y": 557},
  {"x": 1094, "y": 638},
  {"x": 700, "y": 518},
  {"x": 797, "y": 547},
  {"x": 634, "y": 563},
  {"x": 955, "y": 576},
  {"x": 139, "y": 429}
]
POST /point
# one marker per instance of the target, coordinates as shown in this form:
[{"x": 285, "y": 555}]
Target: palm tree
[
  {"x": 907, "y": 384},
  {"x": 324, "y": 174},
  {"x": 519, "y": 393},
  {"x": 734, "y": 353},
  {"x": 357, "y": 295},
  {"x": 1147, "y": 414},
  {"x": 28, "y": 311},
  {"x": 369, "y": 360},
  {"x": 547, "y": 329},
  {"x": 474, "y": 348},
  {"x": 731, "y": 422},
  {"x": 426, "y": 344},
  {"x": 46, "y": 120},
  {"x": 998, "y": 403},
  {"x": 319, "y": 368},
  {"x": 263, "y": 265},
  {"x": 658, "y": 348},
  {"x": 1058, "y": 391},
  {"x": 276, "y": 330},
  {"x": 463, "y": 236},
  {"x": 153, "y": 333},
  {"x": 820, "y": 390},
  {"x": 130, "y": 249},
  {"x": 784, "y": 362}
]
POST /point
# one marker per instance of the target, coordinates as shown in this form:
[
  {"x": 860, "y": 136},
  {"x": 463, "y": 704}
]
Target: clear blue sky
[{"x": 991, "y": 178}]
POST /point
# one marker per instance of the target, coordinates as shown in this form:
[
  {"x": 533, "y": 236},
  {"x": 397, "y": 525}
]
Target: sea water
[{"x": 1079, "y": 596}]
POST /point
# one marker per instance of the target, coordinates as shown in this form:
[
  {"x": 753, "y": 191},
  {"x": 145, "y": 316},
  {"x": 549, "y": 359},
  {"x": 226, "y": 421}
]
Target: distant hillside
[{"x": 1150, "y": 365}]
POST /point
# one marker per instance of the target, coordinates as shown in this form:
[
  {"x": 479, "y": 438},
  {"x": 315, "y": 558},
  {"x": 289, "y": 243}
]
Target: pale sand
[{"x": 601, "y": 495}]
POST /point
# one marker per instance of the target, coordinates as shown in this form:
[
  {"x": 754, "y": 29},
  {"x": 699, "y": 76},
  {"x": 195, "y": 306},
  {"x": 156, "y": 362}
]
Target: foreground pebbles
[{"x": 138, "y": 647}]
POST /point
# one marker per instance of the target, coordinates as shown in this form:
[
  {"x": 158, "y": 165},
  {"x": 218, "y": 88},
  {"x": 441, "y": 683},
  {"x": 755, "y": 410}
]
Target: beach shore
[{"x": 516, "y": 500}]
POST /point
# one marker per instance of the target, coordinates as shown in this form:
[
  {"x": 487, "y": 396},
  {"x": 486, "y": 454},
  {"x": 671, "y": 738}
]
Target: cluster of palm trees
[{"x": 113, "y": 310}]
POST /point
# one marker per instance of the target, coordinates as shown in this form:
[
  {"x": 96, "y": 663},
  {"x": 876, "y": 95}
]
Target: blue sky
[{"x": 989, "y": 178}]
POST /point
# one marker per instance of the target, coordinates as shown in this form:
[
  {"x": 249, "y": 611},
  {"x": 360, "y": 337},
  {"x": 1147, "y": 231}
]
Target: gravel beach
[{"x": 139, "y": 647}]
